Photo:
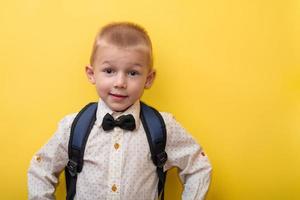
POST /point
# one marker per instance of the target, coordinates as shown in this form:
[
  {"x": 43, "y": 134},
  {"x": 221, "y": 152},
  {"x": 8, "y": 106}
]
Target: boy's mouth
[{"x": 118, "y": 96}]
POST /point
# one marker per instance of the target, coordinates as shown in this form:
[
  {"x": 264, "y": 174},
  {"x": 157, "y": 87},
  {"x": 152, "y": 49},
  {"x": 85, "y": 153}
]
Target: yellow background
[{"x": 229, "y": 70}]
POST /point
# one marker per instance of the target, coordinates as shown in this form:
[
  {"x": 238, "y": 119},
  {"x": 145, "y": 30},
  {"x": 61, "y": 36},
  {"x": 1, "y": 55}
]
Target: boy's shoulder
[
  {"x": 67, "y": 120},
  {"x": 167, "y": 116}
]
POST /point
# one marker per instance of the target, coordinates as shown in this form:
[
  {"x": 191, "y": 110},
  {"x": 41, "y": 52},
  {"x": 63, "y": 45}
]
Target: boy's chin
[{"x": 119, "y": 108}]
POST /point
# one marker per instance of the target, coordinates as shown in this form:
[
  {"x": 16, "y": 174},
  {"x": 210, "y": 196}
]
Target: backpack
[{"x": 154, "y": 127}]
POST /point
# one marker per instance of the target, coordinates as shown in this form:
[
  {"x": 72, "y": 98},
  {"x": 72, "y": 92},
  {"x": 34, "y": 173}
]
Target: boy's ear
[
  {"x": 150, "y": 78},
  {"x": 89, "y": 70}
]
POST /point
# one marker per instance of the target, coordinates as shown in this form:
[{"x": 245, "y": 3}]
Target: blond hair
[{"x": 123, "y": 34}]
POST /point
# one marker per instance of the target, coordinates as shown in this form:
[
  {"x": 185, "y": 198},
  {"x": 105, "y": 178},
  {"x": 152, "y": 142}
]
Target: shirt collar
[{"x": 103, "y": 109}]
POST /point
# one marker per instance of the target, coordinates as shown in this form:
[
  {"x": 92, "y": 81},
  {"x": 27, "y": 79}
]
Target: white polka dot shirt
[{"x": 117, "y": 163}]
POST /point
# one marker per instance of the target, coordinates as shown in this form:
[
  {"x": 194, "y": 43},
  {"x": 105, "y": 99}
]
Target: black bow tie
[{"x": 125, "y": 122}]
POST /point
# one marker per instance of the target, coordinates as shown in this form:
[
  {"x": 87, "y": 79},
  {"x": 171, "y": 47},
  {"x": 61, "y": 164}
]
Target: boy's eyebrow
[
  {"x": 106, "y": 62},
  {"x": 137, "y": 64},
  {"x": 134, "y": 64}
]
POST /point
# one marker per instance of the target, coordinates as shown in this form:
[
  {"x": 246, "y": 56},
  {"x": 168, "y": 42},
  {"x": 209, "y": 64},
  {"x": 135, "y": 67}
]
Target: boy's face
[{"x": 120, "y": 75}]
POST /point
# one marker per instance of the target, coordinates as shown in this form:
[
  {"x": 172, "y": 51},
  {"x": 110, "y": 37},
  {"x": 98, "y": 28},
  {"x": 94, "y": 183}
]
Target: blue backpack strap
[
  {"x": 155, "y": 129},
  {"x": 80, "y": 130},
  {"x": 81, "y": 127}
]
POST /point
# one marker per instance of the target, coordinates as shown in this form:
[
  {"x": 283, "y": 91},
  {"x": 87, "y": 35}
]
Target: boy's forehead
[{"x": 112, "y": 53}]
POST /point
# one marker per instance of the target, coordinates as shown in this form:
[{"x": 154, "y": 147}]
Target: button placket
[{"x": 116, "y": 162}]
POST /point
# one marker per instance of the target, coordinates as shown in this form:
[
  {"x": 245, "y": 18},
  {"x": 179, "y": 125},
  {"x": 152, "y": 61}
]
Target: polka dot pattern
[{"x": 117, "y": 163}]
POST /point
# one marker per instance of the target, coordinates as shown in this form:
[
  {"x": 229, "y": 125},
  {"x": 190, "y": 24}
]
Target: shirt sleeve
[
  {"x": 188, "y": 156},
  {"x": 48, "y": 162}
]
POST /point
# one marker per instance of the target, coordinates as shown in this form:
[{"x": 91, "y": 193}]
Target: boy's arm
[
  {"x": 186, "y": 154},
  {"x": 48, "y": 162}
]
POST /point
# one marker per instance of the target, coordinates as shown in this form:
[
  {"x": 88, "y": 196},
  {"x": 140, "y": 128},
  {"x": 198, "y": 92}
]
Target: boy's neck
[{"x": 117, "y": 112}]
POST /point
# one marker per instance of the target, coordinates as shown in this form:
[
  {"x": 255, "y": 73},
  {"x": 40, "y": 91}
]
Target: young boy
[{"x": 117, "y": 162}]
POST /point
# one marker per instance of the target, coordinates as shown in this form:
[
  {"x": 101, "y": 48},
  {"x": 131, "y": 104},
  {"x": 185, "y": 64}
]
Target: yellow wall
[{"x": 229, "y": 70}]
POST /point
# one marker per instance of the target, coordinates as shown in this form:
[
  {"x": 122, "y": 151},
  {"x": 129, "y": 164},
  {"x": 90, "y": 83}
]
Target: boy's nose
[{"x": 120, "y": 81}]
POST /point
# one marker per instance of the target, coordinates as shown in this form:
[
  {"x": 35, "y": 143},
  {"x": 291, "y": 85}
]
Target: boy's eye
[
  {"x": 108, "y": 70},
  {"x": 133, "y": 73}
]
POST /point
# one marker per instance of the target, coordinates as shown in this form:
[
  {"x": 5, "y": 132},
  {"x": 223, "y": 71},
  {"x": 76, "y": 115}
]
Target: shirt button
[
  {"x": 114, "y": 188},
  {"x": 117, "y": 145},
  {"x": 38, "y": 158}
]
